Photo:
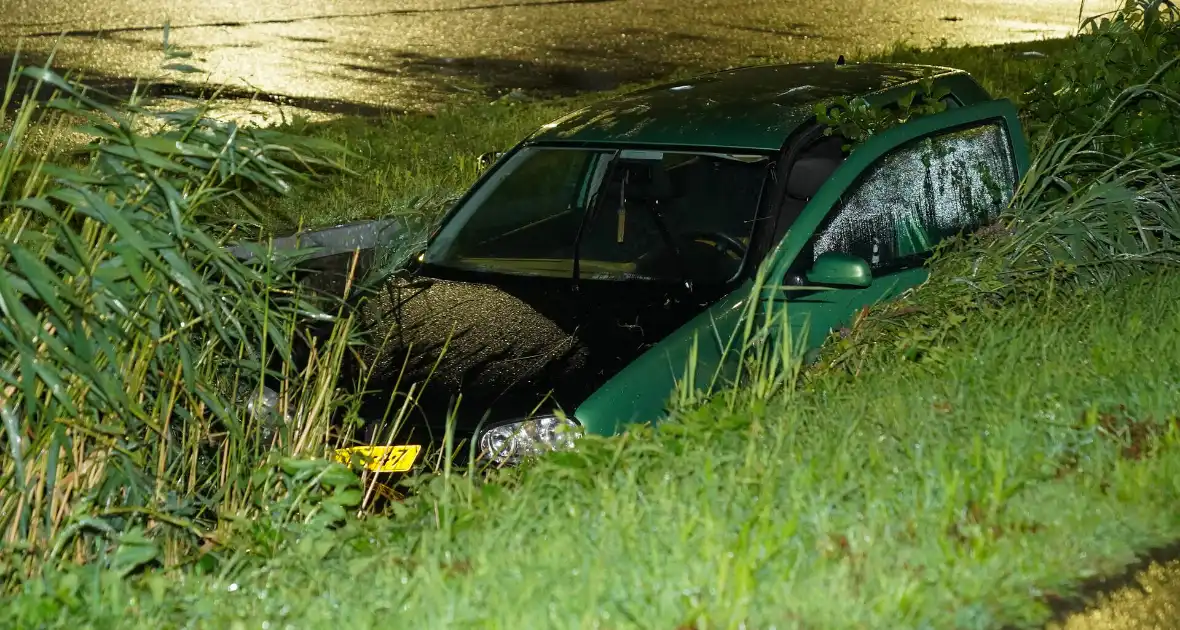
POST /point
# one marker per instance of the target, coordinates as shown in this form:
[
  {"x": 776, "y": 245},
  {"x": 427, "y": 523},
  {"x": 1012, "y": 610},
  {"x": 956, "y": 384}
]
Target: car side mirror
[{"x": 837, "y": 269}]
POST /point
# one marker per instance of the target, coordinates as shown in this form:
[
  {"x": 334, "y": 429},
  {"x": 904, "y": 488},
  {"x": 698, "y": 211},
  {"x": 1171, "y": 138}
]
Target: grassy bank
[
  {"x": 1041, "y": 447},
  {"x": 960, "y": 459}
]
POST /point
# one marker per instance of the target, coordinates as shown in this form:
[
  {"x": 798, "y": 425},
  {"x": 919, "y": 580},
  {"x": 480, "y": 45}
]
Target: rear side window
[{"x": 919, "y": 194}]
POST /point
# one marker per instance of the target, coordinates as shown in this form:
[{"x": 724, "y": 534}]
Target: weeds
[
  {"x": 1091, "y": 85},
  {"x": 128, "y": 330},
  {"x": 896, "y": 500}
]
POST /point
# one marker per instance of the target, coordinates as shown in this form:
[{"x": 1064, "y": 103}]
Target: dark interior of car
[
  {"x": 667, "y": 216},
  {"x": 688, "y": 218},
  {"x": 807, "y": 174}
]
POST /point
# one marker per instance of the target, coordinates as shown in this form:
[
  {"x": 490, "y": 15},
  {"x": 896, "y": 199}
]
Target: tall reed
[{"x": 129, "y": 334}]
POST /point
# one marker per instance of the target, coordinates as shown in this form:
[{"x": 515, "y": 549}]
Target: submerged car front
[{"x": 558, "y": 269}]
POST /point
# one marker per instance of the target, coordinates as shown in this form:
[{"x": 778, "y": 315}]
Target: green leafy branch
[{"x": 857, "y": 120}]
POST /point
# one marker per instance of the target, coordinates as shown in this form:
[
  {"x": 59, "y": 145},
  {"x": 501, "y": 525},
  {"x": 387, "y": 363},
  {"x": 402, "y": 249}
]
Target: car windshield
[{"x": 608, "y": 215}]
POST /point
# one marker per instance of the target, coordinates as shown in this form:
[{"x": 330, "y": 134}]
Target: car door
[{"x": 888, "y": 203}]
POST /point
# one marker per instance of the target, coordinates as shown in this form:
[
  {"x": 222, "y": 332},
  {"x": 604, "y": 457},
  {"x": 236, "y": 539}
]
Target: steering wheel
[{"x": 719, "y": 242}]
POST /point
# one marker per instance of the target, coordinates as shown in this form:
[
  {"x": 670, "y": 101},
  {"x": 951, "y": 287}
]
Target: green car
[
  {"x": 614, "y": 253},
  {"x": 856, "y": 227}
]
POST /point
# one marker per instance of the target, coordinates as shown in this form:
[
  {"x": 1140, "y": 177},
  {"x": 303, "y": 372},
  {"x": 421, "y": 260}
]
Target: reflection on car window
[
  {"x": 532, "y": 209},
  {"x": 647, "y": 215},
  {"x": 920, "y": 194}
]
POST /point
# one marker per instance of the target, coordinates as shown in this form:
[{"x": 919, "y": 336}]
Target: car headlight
[
  {"x": 508, "y": 443},
  {"x": 264, "y": 406}
]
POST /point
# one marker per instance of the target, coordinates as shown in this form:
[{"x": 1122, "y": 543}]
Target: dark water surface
[{"x": 361, "y": 56}]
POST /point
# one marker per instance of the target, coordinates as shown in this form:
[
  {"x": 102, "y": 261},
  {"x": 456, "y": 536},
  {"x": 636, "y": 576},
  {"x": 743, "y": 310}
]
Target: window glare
[
  {"x": 629, "y": 212},
  {"x": 923, "y": 192}
]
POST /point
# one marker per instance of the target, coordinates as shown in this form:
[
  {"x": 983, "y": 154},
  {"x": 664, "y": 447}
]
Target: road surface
[{"x": 364, "y": 55}]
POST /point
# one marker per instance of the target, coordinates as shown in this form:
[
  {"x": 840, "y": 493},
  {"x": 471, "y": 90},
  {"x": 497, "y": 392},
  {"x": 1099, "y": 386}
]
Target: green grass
[
  {"x": 131, "y": 336},
  {"x": 1041, "y": 447},
  {"x": 412, "y": 164}
]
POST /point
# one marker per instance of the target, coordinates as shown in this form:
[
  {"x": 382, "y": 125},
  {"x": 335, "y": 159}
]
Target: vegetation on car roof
[{"x": 751, "y": 108}]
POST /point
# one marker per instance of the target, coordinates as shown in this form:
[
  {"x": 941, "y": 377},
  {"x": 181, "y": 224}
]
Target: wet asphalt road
[{"x": 364, "y": 55}]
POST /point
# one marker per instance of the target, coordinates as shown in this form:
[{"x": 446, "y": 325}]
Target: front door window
[{"x": 919, "y": 194}]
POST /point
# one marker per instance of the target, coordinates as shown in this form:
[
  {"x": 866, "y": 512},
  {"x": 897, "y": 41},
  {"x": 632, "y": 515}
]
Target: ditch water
[{"x": 330, "y": 57}]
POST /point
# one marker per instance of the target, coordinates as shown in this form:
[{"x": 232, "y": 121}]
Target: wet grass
[
  {"x": 413, "y": 164},
  {"x": 1039, "y": 449}
]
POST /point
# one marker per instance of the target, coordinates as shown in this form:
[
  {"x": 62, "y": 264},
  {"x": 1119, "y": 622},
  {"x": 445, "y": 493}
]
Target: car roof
[{"x": 753, "y": 108}]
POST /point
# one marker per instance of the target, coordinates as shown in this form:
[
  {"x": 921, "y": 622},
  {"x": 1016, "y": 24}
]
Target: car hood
[{"x": 511, "y": 345}]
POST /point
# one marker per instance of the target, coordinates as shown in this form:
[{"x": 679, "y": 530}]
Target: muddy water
[{"x": 364, "y": 55}]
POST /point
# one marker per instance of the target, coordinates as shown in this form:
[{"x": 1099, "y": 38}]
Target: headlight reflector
[
  {"x": 264, "y": 406},
  {"x": 509, "y": 443}
]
